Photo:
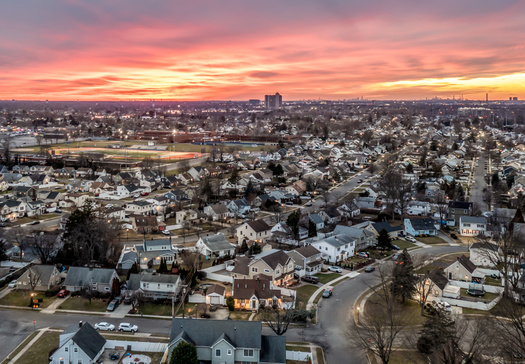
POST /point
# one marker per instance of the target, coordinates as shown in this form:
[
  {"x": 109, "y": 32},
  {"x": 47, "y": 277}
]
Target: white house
[
  {"x": 472, "y": 225},
  {"x": 419, "y": 227},
  {"x": 185, "y": 215},
  {"x": 336, "y": 248},
  {"x": 80, "y": 344},
  {"x": 257, "y": 230},
  {"x": 155, "y": 286},
  {"x": 214, "y": 246}
]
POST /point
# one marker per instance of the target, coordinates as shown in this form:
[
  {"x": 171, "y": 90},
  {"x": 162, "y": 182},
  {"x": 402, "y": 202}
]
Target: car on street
[
  {"x": 311, "y": 279},
  {"x": 166, "y": 232},
  {"x": 327, "y": 293},
  {"x": 112, "y": 305},
  {"x": 63, "y": 293},
  {"x": 411, "y": 238},
  {"x": 11, "y": 284},
  {"x": 308, "y": 204},
  {"x": 125, "y": 326},
  {"x": 360, "y": 180},
  {"x": 335, "y": 269},
  {"x": 370, "y": 269},
  {"x": 144, "y": 193},
  {"x": 34, "y": 222},
  {"x": 104, "y": 326},
  {"x": 363, "y": 254}
]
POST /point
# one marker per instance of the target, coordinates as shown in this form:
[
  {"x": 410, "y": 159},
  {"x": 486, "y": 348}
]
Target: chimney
[{"x": 80, "y": 324}]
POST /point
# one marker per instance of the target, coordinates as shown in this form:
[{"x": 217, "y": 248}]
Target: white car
[
  {"x": 445, "y": 306},
  {"x": 12, "y": 284},
  {"x": 336, "y": 269},
  {"x": 411, "y": 238},
  {"x": 124, "y": 326},
  {"x": 104, "y": 326},
  {"x": 165, "y": 232}
]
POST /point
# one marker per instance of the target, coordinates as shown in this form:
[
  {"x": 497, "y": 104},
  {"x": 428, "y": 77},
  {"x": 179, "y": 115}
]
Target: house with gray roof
[
  {"x": 154, "y": 286},
  {"x": 256, "y": 230},
  {"x": 420, "y": 227},
  {"x": 363, "y": 238},
  {"x": 336, "y": 248},
  {"x": 79, "y": 343},
  {"x": 317, "y": 220},
  {"x": 41, "y": 277},
  {"x": 307, "y": 260},
  {"x": 463, "y": 270},
  {"x": 473, "y": 225},
  {"x": 215, "y": 246},
  {"x": 98, "y": 279},
  {"x": 228, "y": 341}
]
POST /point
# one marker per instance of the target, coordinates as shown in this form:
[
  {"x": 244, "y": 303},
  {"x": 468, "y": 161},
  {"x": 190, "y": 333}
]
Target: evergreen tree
[
  {"x": 383, "y": 240},
  {"x": 293, "y": 222},
  {"x": 437, "y": 330},
  {"x": 255, "y": 249},
  {"x": 184, "y": 353},
  {"x": 403, "y": 278},
  {"x": 312, "y": 229},
  {"x": 249, "y": 189},
  {"x": 244, "y": 247}
]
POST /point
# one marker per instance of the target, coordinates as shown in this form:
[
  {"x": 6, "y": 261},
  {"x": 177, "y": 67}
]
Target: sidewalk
[
  {"x": 53, "y": 307},
  {"x": 29, "y": 344},
  {"x": 121, "y": 311},
  {"x": 328, "y": 285}
]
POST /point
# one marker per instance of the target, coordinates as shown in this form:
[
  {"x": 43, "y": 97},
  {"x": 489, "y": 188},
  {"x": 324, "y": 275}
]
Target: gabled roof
[
  {"x": 216, "y": 242},
  {"x": 473, "y": 220},
  {"x": 316, "y": 219},
  {"x": 307, "y": 251},
  {"x": 216, "y": 289},
  {"x": 258, "y": 225},
  {"x": 464, "y": 205},
  {"x": 378, "y": 226},
  {"x": 87, "y": 338},
  {"x": 80, "y": 276},
  {"x": 423, "y": 224},
  {"x": 244, "y": 289},
  {"x": 338, "y": 241},
  {"x": 276, "y": 258},
  {"x": 241, "y": 265},
  {"x": 464, "y": 261},
  {"x": 438, "y": 278},
  {"x": 241, "y": 334}
]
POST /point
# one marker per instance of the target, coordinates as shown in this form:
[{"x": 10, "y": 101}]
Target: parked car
[
  {"x": 311, "y": 279},
  {"x": 104, "y": 326},
  {"x": 12, "y": 284},
  {"x": 411, "y": 238},
  {"x": 335, "y": 268},
  {"x": 360, "y": 180},
  {"x": 2, "y": 224},
  {"x": 395, "y": 247},
  {"x": 327, "y": 293},
  {"x": 395, "y": 256},
  {"x": 166, "y": 232},
  {"x": 115, "y": 356},
  {"x": 125, "y": 326},
  {"x": 127, "y": 300},
  {"x": 363, "y": 255},
  {"x": 112, "y": 305},
  {"x": 63, "y": 293},
  {"x": 144, "y": 193},
  {"x": 370, "y": 269},
  {"x": 58, "y": 210},
  {"x": 34, "y": 222},
  {"x": 308, "y": 204},
  {"x": 453, "y": 236},
  {"x": 444, "y": 306}
]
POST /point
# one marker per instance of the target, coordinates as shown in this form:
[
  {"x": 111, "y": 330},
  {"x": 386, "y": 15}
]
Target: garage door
[{"x": 215, "y": 300}]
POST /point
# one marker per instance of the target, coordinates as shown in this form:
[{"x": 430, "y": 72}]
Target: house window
[
  {"x": 266, "y": 271},
  {"x": 248, "y": 353},
  {"x": 277, "y": 272},
  {"x": 254, "y": 269},
  {"x": 66, "y": 349},
  {"x": 230, "y": 352},
  {"x": 217, "y": 352},
  {"x": 75, "y": 350},
  {"x": 79, "y": 361},
  {"x": 62, "y": 361}
]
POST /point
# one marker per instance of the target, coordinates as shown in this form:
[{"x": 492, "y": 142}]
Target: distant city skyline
[{"x": 237, "y": 50}]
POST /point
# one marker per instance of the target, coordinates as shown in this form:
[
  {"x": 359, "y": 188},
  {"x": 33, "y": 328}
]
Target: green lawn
[
  {"x": 492, "y": 282},
  {"x": 22, "y": 299},
  {"x": 406, "y": 357},
  {"x": 327, "y": 277},
  {"x": 81, "y": 304},
  {"x": 303, "y": 295},
  {"x": 157, "y": 309},
  {"x": 240, "y": 315},
  {"x": 431, "y": 240},
  {"x": 403, "y": 244},
  {"x": 320, "y": 355},
  {"x": 411, "y": 309},
  {"x": 487, "y": 296},
  {"x": 38, "y": 353}
]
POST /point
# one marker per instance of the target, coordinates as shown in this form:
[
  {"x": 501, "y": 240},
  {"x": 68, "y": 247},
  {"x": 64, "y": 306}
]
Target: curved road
[{"x": 335, "y": 314}]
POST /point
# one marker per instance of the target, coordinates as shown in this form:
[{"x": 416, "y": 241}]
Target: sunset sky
[{"x": 240, "y": 49}]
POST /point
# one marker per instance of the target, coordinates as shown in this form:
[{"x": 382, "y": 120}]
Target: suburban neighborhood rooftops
[
  {"x": 473, "y": 220},
  {"x": 259, "y": 225}
]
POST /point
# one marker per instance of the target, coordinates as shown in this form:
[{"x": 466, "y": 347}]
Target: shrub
[
  {"x": 51, "y": 292},
  {"x": 230, "y": 302}
]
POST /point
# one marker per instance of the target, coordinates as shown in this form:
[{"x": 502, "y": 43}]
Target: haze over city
[{"x": 235, "y": 50}]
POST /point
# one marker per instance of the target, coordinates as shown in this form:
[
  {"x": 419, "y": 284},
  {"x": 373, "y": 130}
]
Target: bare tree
[
  {"x": 34, "y": 277},
  {"x": 510, "y": 329},
  {"x": 397, "y": 190},
  {"x": 381, "y": 325},
  {"x": 44, "y": 245},
  {"x": 277, "y": 320}
]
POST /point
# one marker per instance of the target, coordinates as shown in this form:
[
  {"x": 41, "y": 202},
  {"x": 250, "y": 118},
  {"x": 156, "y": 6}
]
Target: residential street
[
  {"x": 335, "y": 318},
  {"x": 478, "y": 183}
]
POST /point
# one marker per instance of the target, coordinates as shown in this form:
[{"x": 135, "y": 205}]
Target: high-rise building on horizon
[{"x": 273, "y": 101}]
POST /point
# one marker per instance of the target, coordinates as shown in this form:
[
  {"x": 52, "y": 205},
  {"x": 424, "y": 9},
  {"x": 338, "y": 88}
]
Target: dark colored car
[
  {"x": 311, "y": 279},
  {"x": 115, "y": 356},
  {"x": 127, "y": 301},
  {"x": 453, "y": 236},
  {"x": 395, "y": 247},
  {"x": 34, "y": 222},
  {"x": 63, "y": 293},
  {"x": 370, "y": 269},
  {"x": 327, "y": 293}
]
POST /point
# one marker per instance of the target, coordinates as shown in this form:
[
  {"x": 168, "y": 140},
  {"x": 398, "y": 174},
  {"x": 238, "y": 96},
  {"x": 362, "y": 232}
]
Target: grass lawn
[
  {"x": 431, "y": 240},
  {"x": 320, "y": 355},
  {"x": 157, "y": 309},
  {"x": 403, "y": 244},
  {"x": 303, "y": 349},
  {"x": 38, "y": 353},
  {"x": 410, "y": 308},
  {"x": 327, "y": 277},
  {"x": 407, "y": 357},
  {"x": 240, "y": 315},
  {"x": 492, "y": 282},
  {"x": 303, "y": 295},
  {"x": 487, "y": 296},
  {"x": 22, "y": 299},
  {"x": 82, "y": 304}
]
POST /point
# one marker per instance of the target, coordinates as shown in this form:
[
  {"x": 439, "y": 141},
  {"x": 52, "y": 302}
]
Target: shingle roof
[
  {"x": 216, "y": 289},
  {"x": 464, "y": 261},
  {"x": 241, "y": 265},
  {"x": 80, "y": 276},
  {"x": 87, "y": 338},
  {"x": 242, "y": 334},
  {"x": 244, "y": 289},
  {"x": 307, "y": 251},
  {"x": 259, "y": 225},
  {"x": 339, "y": 240},
  {"x": 438, "y": 278},
  {"x": 273, "y": 349},
  {"x": 460, "y": 205},
  {"x": 473, "y": 220},
  {"x": 274, "y": 259},
  {"x": 423, "y": 224},
  {"x": 216, "y": 242}
]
